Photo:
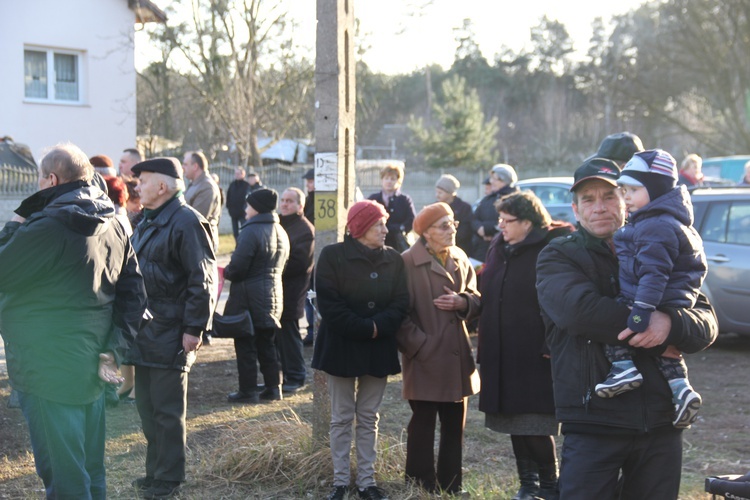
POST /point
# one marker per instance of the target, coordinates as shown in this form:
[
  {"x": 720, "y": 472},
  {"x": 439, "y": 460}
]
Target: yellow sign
[{"x": 326, "y": 208}]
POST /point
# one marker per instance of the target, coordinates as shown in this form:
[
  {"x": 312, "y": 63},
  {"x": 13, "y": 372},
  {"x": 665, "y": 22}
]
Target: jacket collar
[
  {"x": 264, "y": 218},
  {"x": 146, "y": 229},
  {"x": 351, "y": 252},
  {"x": 422, "y": 256}
]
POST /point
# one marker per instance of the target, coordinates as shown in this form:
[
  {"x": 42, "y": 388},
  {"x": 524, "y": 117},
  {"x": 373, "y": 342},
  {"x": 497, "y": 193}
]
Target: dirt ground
[{"x": 718, "y": 443}]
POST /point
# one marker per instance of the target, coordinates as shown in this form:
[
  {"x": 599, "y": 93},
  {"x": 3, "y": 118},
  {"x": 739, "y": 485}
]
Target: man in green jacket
[{"x": 71, "y": 301}]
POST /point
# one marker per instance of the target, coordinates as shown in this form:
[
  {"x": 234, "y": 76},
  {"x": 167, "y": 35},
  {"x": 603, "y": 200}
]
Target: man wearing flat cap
[
  {"x": 175, "y": 250},
  {"x": 255, "y": 272},
  {"x": 632, "y": 435}
]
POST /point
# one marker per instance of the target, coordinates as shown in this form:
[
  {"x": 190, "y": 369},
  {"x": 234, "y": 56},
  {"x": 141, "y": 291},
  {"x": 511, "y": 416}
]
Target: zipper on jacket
[{"x": 587, "y": 375}]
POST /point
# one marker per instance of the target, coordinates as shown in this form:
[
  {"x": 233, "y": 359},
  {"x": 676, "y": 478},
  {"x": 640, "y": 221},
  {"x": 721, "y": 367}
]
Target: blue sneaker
[
  {"x": 623, "y": 377},
  {"x": 687, "y": 402}
]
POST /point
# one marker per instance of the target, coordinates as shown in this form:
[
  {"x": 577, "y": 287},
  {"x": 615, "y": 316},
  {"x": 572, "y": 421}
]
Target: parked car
[
  {"x": 554, "y": 192},
  {"x": 722, "y": 217}
]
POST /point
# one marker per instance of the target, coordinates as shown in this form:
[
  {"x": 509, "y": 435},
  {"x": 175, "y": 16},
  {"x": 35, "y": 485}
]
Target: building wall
[{"x": 103, "y": 29}]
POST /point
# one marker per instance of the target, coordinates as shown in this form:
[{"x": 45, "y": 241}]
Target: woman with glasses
[
  {"x": 513, "y": 358},
  {"x": 439, "y": 373}
]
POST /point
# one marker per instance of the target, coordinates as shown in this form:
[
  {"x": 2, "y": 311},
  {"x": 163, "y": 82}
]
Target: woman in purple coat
[{"x": 514, "y": 363}]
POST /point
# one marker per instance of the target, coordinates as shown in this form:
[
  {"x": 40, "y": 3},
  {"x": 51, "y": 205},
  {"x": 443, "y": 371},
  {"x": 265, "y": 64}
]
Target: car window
[
  {"x": 714, "y": 227},
  {"x": 551, "y": 195},
  {"x": 739, "y": 224}
]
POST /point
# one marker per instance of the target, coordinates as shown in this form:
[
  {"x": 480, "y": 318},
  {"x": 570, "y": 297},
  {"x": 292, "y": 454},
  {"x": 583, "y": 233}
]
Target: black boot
[
  {"x": 528, "y": 473},
  {"x": 548, "y": 482}
]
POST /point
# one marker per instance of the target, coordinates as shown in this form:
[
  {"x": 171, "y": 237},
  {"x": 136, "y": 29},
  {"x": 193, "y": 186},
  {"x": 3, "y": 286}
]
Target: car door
[{"x": 725, "y": 229}]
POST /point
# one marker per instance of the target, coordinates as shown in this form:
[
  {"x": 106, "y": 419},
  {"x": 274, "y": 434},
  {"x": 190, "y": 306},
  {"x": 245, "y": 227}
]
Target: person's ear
[{"x": 54, "y": 179}]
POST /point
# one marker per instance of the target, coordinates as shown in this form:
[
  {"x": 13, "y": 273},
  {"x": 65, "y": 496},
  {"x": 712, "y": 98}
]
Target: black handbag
[{"x": 233, "y": 326}]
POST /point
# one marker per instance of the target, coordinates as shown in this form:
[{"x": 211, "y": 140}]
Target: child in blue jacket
[{"x": 661, "y": 264}]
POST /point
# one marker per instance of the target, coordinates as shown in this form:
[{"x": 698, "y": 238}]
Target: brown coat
[{"x": 436, "y": 350}]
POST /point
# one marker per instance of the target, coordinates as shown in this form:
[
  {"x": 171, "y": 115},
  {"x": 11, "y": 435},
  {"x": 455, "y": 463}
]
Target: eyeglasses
[
  {"x": 445, "y": 226},
  {"x": 502, "y": 221}
]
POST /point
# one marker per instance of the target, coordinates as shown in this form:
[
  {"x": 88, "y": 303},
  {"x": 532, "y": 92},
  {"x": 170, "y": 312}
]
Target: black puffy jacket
[
  {"x": 577, "y": 287},
  {"x": 255, "y": 271},
  {"x": 176, "y": 255}
]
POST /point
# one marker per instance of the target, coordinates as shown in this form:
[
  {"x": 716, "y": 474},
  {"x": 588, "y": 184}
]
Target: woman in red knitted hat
[{"x": 362, "y": 298}]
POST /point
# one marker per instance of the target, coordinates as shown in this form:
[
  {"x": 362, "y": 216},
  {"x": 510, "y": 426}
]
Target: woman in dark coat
[
  {"x": 362, "y": 298},
  {"x": 514, "y": 361},
  {"x": 399, "y": 206},
  {"x": 503, "y": 180},
  {"x": 255, "y": 272}
]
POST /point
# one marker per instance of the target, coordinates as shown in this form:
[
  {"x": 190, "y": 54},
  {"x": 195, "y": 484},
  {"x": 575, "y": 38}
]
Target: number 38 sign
[
  {"x": 326, "y": 185},
  {"x": 326, "y": 208}
]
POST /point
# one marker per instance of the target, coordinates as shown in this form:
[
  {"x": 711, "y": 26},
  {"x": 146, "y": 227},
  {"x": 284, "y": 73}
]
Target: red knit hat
[
  {"x": 363, "y": 215},
  {"x": 429, "y": 215}
]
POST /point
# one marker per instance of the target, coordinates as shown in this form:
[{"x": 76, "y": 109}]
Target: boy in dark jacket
[{"x": 661, "y": 263}]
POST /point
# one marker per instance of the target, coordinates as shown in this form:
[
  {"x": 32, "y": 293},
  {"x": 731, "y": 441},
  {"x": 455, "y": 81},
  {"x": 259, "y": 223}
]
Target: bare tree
[{"x": 239, "y": 57}]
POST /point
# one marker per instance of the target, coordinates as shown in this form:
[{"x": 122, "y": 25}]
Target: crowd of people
[{"x": 581, "y": 330}]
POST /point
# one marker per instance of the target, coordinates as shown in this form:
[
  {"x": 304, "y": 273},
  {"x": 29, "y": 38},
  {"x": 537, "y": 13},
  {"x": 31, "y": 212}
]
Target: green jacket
[{"x": 70, "y": 289}]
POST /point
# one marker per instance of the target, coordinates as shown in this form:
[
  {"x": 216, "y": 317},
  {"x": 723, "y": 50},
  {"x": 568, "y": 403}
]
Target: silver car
[
  {"x": 554, "y": 192},
  {"x": 722, "y": 217}
]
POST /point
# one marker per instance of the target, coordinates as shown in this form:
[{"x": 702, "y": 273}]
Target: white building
[{"x": 68, "y": 72}]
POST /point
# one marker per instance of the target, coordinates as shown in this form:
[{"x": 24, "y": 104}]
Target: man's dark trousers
[
  {"x": 651, "y": 465},
  {"x": 253, "y": 351},
  {"x": 68, "y": 445},
  {"x": 289, "y": 346},
  {"x": 162, "y": 405},
  {"x": 236, "y": 223}
]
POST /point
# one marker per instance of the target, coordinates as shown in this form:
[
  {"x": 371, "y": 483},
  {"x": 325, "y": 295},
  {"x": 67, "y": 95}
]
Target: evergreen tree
[{"x": 460, "y": 137}]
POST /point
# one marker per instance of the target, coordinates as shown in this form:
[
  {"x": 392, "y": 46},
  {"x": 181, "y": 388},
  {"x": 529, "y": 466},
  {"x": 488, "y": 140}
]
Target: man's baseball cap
[
  {"x": 309, "y": 175},
  {"x": 619, "y": 147},
  {"x": 596, "y": 168},
  {"x": 168, "y": 166}
]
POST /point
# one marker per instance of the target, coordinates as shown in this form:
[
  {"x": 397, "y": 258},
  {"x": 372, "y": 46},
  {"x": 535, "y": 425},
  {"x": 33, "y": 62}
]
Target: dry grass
[{"x": 266, "y": 451}]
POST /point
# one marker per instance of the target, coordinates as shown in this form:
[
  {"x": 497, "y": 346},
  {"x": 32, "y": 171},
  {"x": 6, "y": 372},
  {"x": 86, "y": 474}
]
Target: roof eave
[{"x": 147, "y": 12}]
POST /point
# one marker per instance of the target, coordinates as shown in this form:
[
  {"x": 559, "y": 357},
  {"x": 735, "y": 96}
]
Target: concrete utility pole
[{"x": 334, "y": 142}]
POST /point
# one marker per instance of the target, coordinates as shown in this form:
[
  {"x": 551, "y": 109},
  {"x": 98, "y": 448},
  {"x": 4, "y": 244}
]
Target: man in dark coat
[
  {"x": 236, "y": 193},
  {"x": 71, "y": 301},
  {"x": 503, "y": 180},
  {"x": 175, "y": 250},
  {"x": 296, "y": 282},
  {"x": 630, "y": 436},
  {"x": 310, "y": 199},
  {"x": 446, "y": 189},
  {"x": 255, "y": 272},
  {"x": 309, "y": 214}
]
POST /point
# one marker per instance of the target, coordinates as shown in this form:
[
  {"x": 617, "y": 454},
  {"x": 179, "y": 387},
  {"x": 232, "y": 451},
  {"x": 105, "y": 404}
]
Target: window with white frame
[{"x": 52, "y": 75}]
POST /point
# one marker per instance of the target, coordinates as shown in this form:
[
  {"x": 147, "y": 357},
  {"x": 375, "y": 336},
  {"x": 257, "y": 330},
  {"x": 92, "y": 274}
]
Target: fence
[
  {"x": 419, "y": 184},
  {"x": 17, "y": 181}
]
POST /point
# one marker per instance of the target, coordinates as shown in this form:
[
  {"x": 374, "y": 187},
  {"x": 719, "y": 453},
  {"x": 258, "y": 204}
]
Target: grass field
[{"x": 266, "y": 451}]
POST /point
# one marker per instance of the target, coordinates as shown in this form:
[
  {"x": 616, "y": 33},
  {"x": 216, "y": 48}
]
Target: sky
[{"x": 405, "y": 35}]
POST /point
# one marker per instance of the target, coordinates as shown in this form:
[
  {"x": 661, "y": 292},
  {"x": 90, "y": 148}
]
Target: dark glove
[{"x": 639, "y": 319}]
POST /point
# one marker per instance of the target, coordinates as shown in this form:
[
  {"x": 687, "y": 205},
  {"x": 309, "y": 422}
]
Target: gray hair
[{"x": 68, "y": 163}]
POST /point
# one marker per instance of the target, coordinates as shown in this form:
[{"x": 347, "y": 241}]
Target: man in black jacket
[
  {"x": 176, "y": 253},
  {"x": 236, "y": 193},
  {"x": 577, "y": 281},
  {"x": 295, "y": 281},
  {"x": 71, "y": 302}
]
